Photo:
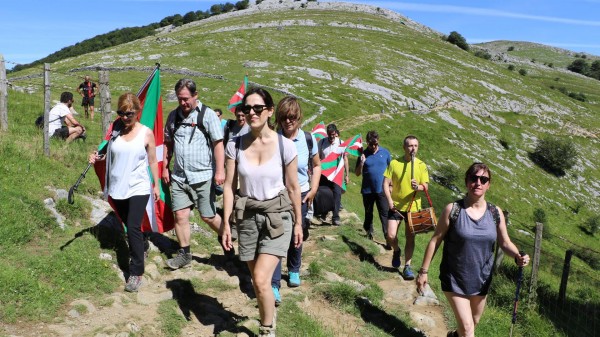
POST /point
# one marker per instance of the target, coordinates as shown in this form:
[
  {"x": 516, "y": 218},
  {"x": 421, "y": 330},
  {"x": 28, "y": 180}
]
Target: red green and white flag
[
  {"x": 159, "y": 216},
  {"x": 319, "y": 131},
  {"x": 236, "y": 99},
  {"x": 355, "y": 145}
]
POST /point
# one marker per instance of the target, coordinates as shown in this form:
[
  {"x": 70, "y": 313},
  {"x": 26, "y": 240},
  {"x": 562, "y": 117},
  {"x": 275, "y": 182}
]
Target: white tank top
[{"x": 128, "y": 174}]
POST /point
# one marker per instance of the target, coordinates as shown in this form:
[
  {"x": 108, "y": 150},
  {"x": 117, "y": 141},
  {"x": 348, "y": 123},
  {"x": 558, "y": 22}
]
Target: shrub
[
  {"x": 578, "y": 96},
  {"x": 483, "y": 54},
  {"x": 539, "y": 215},
  {"x": 579, "y": 66},
  {"x": 511, "y": 67},
  {"x": 511, "y": 48},
  {"x": 592, "y": 224},
  {"x": 588, "y": 256},
  {"x": 459, "y": 40},
  {"x": 504, "y": 143},
  {"x": 448, "y": 176},
  {"x": 522, "y": 72},
  {"x": 554, "y": 155}
]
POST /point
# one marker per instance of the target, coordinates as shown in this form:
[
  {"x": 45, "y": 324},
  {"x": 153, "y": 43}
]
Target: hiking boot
[
  {"x": 408, "y": 274},
  {"x": 452, "y": 334},
  {"x": 277, "y": 295},
  {"x": 294, "y": 280},
  {"x": 133, "y": 284},
  {"x": 387, "y": 247},
  {"x": 396, "y": 259},
  {"x": 182, "y": 259},
  {"x": 369, "y": 236},
  {"x": 266, "y": 331},
  {"x": 336, "y": 222}
]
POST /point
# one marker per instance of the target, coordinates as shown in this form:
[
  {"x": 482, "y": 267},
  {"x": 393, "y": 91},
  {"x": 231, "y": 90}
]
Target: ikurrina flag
[
  {"x": 158, "y": 217},
  {"x": 355, "y": 146},
  {"x": 319, "y": 131},
  {"x": 236, "y": 99},
  {"x": 332, "y": 166}
]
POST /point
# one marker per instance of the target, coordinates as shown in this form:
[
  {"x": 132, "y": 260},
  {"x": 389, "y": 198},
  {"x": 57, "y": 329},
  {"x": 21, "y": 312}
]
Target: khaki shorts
[
  {"x": 254, "y": 236},
  {"x": 201, "y": 195}
]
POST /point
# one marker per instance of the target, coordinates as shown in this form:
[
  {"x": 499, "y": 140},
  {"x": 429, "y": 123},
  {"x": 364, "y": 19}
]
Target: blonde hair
[{"x": 129, "y": 102}]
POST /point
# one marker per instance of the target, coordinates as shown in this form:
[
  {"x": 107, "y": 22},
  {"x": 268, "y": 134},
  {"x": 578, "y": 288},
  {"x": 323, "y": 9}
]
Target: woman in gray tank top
[{"x": 469, "y": 229}]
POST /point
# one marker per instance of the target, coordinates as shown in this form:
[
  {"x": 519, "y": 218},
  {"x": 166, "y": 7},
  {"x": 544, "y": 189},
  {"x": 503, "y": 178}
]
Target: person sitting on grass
[{"x": 61, "y": 123}]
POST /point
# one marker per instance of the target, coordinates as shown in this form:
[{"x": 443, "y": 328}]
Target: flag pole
[{"x": 148, "y": 79}]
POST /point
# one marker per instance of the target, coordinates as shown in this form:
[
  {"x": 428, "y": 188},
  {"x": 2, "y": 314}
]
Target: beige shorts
[
  {"x": 254, "y": 238},
  {"x": 201, "y": 195}
]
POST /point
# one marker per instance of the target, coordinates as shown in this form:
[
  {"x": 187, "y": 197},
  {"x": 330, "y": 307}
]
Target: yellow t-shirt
[{"x": 399, "y": 173}]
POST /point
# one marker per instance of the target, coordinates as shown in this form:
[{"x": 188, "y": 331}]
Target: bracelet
[{"x": 422, "y": 271}]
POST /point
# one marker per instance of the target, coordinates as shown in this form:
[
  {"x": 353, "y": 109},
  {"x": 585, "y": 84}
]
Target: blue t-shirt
[
  {"x": 302, "y": 149},
  {"x": 373, "y": 169}
]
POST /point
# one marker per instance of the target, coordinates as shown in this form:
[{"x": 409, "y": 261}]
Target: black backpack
[
  {"x": 228, "y": 126},
  {"x": 39, "y": 122}
]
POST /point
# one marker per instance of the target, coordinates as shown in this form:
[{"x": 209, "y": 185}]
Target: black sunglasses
[
  {"x": 128, "y": 114},
  {"x": 483, "y": 179},
  {"x": 257, "y": 108}
]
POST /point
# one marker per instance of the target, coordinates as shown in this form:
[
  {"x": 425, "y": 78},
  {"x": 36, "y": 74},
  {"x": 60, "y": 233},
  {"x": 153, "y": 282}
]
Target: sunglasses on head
[
  {"x": 128, "y": 114},
  {"x": 258, "y": 108},
  {"x": 483, "y": 179}
]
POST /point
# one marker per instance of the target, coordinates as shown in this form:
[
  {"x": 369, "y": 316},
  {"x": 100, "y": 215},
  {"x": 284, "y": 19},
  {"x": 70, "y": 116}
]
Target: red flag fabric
[{"x": 236, "y": 99}]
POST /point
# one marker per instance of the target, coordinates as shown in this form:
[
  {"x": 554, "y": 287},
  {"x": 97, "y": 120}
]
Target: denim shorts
[
  {"x": 254, "y": 238},
  {"x": 201, "y": 195}
]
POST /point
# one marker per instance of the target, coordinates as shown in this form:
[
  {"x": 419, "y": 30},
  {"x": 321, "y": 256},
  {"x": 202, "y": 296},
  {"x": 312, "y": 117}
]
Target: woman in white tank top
[{"x": 128, "y": 183}]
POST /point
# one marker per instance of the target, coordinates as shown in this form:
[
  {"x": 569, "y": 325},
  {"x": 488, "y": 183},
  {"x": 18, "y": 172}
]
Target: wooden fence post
[
  {"x": 3, "y": 96},
  {"x": 562, "y": 292},
  {"x": 46, "y": 108},
  {"x": 104, "y": 100},
  {"x": 535, "y": 265}
]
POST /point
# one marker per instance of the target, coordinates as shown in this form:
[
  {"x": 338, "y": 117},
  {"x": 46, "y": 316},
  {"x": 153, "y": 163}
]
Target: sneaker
[
  {"x": 266, "y": 331},
  {"x": 336, "y": 222},
  {"x": 181, "y": 260},
  {"x": 396, "y": 259},
  {"x": 408, "y": 274},
  {"x": 133, "y": 284},
  {"x": 294, "y": 280},
  {"x": 277, "y": 295}
]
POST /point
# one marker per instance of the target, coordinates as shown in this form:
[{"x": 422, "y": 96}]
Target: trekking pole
[
  {"x": 74, "y": 187},
  {"x": 516, "y": 302}
]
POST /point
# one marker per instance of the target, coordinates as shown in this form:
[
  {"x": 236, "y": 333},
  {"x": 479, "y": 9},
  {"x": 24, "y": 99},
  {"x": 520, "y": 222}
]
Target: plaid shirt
[{"x": 194, "y": 160}]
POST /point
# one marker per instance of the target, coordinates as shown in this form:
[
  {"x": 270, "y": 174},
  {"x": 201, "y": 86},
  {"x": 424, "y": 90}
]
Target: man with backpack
[
  {"x": 193, "y": 134},
  {"x": 61, "y": 123}
]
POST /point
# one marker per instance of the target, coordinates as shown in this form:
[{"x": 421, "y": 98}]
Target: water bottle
[{"x": 310, "y": 212}]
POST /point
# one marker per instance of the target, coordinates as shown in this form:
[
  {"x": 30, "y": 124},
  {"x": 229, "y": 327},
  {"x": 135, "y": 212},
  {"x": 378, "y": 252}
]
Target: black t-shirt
[{"x": 87, "y": 88}]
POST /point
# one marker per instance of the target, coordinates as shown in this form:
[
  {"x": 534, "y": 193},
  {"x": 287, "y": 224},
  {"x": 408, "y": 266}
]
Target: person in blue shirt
[
  {"x": 288, "y": 118},
  {"x": 371, "y": 164}
]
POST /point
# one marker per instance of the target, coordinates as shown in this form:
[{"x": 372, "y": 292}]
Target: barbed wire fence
[{"x": 572, "y": 303}]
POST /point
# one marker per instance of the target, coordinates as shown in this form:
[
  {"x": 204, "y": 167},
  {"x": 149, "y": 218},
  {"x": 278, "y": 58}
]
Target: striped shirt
[{"x": 194, "y": 159}]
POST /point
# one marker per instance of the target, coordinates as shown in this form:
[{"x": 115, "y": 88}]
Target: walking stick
[
  {"x": 74, "y": 187},
  {"x": 516, "y": 303}
]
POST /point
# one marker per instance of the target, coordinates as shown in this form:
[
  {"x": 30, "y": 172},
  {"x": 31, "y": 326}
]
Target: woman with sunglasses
[
  {"x": 129, "y": 153},
  {"x": 469, "y": 228},
  {"x": 266, "y": 207},
  {"x": 288, "y": 117}
]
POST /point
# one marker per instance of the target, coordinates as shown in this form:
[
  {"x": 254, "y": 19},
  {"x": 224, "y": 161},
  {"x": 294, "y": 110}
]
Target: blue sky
[{"x": 30, "y": 30}]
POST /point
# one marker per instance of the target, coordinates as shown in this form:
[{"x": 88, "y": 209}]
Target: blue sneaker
[
  {"x": 294, "y": 279},
  {"x": 396, "y": 259},
  {"x": 277, "y": 295},
  {"x": 408, "y": 274}
]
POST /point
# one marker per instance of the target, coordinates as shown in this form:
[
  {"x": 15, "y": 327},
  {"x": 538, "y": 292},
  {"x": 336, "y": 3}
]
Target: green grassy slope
[{"x": 362, "y": 71}]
